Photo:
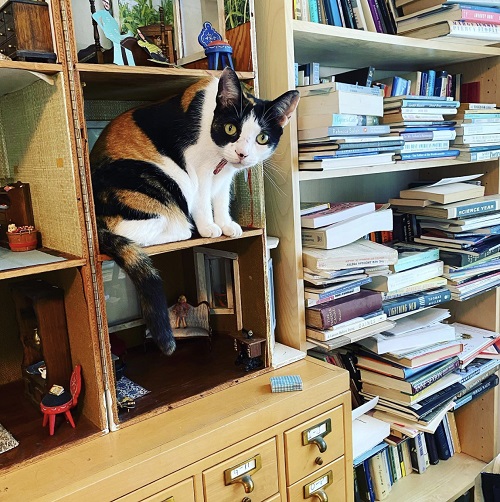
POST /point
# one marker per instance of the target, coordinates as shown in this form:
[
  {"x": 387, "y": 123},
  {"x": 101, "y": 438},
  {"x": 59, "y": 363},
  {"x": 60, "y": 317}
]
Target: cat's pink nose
[{"x": 241, "y": 155}]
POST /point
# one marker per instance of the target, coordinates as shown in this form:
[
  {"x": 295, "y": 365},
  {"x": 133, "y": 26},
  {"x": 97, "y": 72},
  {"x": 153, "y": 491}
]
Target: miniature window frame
[
  {"x": 186, "y": 37},
  {"x": 229, "y": 268}
]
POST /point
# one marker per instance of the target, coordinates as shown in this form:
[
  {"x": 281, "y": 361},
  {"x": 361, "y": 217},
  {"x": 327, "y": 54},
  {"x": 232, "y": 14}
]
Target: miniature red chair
[{"x": 53, "y": 405}]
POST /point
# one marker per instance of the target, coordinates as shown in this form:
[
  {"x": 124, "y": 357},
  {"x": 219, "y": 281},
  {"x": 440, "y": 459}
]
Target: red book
[
  {"x": 326, "y": 315},
  {"x": 338, "y": 211}
]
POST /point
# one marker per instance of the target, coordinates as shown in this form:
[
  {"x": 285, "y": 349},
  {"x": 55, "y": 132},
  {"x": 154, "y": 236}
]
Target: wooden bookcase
[
  {"x": 281, "y": 41},
  {"x": 203, "y": 412}
]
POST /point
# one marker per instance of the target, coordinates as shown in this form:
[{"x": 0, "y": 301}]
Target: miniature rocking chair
[
  {"x": 211, "y": 41},
  {"x": 53, "y": 405}
]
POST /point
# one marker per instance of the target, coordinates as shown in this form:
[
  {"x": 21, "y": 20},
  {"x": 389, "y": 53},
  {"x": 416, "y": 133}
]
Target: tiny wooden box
[{"x": 25, "y": 32}]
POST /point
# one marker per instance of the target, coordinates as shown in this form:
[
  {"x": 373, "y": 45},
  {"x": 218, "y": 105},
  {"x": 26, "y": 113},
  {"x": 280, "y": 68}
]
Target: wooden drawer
[
  {"x": 303, "y": 458},
  {"x": 181, "y": 492},
  {"x": 265, "y": 479},
  {"x": 331, "y": 480}
]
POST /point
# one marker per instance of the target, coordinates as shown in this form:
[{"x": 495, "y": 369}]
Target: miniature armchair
[
  {"x": 211, "y": 40},
  {"x": 52, "y": 405}
]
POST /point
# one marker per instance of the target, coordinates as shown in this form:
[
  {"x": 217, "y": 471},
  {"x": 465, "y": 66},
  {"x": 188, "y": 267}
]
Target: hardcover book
[
  {"x": 361, "y": 253},
  {"x": 329, "y": 314},
  {"x": 444, "y": 194},
  {"x": 347, "y": 231},
  {"x": 412, "y": 303}
]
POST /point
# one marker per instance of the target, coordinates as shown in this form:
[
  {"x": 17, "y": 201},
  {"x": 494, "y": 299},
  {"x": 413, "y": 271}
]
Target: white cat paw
[
  {"x": 210, "y": 230},
  {"x": 232, "y": 230}
]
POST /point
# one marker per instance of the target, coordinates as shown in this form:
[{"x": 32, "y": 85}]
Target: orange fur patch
[
  {"x": 191, "y": 91},
  {"x": 125, "y": 140}
]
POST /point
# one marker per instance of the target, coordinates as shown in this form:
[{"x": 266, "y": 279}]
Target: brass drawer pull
[
  {"x": 242, "y": 473},
  {"x": 315, "y": 435},
  {"x": 317, "y": 487}
]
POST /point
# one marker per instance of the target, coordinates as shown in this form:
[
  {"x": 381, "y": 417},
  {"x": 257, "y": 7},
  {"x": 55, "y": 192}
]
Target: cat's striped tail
[{"x": 147, "y": 281}]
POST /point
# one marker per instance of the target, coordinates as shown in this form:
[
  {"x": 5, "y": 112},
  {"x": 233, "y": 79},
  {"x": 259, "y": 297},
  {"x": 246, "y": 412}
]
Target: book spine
[
  {"x": 486, "y": 385},
  {"x": 454, "y": 431},
  {"x": 344, "y": 119},
  {"x": 428, "y": 379},
  {"x": 463, "y": 259},
  {"x": 478, "y": 138},
  {"x": 442, "y": 446},
  {"x": 417, "y": 146},
  {"x": 437, "y": 282},
  {"x": 377, "y": 20},
  {"x": 418, "y": 103},
  {"x": 311, "y": 302},
  {"x": 431, "y": 81},
  {"x": 486, "y": 31},
  {"x": 430, "y": 442},
  {"x": 416, "y": 260},
  {"x": 369, "y": 480},
  {"x": 428, "y": 155},
  {"x": 447, "y": 431},
  {"x": 396, "y": 144},
  {"x": 380, "y": 476},
  {"x": 362, "y": 89},
  {"x": 340, "y": 330},
  {"x": 407, "y": 277},
  {"x": 469, "y": 129},
  {"x": 405, "y": 305},
  {"x": 474, "y": 209},
  {"x": 479, "y": 16},
  {"x": 478, "y": 156},
  {"x": 313, "y": 11},
  {"x": 417, "y": 453},
  {"x": 348, "y": 14},
  {"x": 358, "y": 15},
  {"x": 357, "y": 130}
]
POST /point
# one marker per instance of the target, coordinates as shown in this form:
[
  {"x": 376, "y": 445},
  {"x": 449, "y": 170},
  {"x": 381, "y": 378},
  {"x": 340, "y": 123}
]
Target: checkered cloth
[{"x": 286, "y": 383}]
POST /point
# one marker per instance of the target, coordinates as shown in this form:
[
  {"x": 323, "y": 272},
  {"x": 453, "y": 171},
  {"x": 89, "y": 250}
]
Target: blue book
[
  {"x": 358, "y": 151},
  {"x": 313, "y": 11},
  {"x": 367, "y": 454},
  {"x": 431, "y": 81},
  {"x": 399, "y": 86},
  {"x": 442, "y": 446},
  {"x": 369, "y": 482},
  {"x": 427, "y": 155},
  {"x": 477, "y": 390},
  {"x": 482, "y": 8},
  {"x": 412, "y": 303},
  {"x": 397, "y": 142},
  {"x": 412, "y": 255},
  {"x": 332, "y": 12},
  {"x": 423, "y": 84}
]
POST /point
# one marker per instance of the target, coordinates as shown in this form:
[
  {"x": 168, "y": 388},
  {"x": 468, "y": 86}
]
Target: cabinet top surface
[
  {"x": 339, "y": 47},
  {"x": 229, "y": 416}
]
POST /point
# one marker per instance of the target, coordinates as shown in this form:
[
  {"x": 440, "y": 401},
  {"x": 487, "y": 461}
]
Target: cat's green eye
[
  {"x": 230, "y": 129},
  {"x": 262, "y": 138}
]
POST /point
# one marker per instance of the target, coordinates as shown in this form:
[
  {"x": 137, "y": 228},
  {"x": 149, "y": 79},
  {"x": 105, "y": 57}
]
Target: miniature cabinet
[
  {"x": 25, "y": 31},
  {"x": 283, "y": 41},
  {"x": 42, "y": 323}
]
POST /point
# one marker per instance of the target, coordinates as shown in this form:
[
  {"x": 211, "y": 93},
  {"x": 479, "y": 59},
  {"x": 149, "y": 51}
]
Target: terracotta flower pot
[{"x": 23, "y": 241}]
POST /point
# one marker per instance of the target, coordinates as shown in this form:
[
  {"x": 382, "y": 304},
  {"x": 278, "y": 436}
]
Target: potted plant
[
  {"x": 237, "y": 16},
  {"x": 23, "y": 238}
]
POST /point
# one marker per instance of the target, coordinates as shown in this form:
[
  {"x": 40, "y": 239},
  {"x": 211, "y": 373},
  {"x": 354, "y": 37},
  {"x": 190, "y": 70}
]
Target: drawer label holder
[
  {"x": 317, "y": 487},
  {"x": 242, "y": 473},
  {"x": 315, "y": 435}
]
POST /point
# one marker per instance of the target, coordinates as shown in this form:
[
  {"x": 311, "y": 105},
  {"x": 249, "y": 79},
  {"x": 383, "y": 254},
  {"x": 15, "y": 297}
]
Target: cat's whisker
[{"x": 272, "y": 181}]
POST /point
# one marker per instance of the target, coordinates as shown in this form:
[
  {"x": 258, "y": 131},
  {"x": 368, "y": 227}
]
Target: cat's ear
[
  {"x": 229, "y": 93},
  {"x": 284, "y": 106}
]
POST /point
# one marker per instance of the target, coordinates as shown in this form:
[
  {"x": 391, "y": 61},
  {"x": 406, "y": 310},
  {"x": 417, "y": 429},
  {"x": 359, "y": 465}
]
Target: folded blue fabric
[{"x": 286, "y": 383}]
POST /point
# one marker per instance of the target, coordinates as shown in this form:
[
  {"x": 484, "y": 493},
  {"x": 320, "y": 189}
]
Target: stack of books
[
  {"x": 477, "y": 132},
  {"x": 350, "y": 315},
  {"x": 425, "y": 123},
  {"x": 475, "y": 21},
  {"x": 466, "y": 231},
  {"x": 343, "y": 223},
  {"x": 338, "y": 127}
]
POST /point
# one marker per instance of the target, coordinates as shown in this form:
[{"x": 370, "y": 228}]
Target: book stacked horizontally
[
  {"x": 477, "y": 21},
  {"x": 334, "y": 318},
  {"x": 465, "y": 226},
  {"x": 338, "y": 126},
  {"x": 478, "y": 131},
  {"x": 425, "y": 123}
]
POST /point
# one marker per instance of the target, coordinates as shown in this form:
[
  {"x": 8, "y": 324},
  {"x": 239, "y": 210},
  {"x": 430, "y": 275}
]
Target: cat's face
[{"x": 247, "y": 129}]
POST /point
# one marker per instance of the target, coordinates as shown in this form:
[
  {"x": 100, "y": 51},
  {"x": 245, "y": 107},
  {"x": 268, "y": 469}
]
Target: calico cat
[{"x": 164, "y": 170}]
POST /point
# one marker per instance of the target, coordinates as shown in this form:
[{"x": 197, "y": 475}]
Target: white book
[
  {"x": 428, "y": 146},
  {"x": 406, "y": 278},
  {"x": 468, "y": 129},
  {"x": 418, "y": 320},
  {"x": 384, "y": 342},
  {"x": 342, "y": 162},
  {"x": 362, "y": 253},
  {"x": 347, "y": 231}
]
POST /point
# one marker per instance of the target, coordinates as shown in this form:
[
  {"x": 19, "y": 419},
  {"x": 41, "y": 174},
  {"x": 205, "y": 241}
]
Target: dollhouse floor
[
  {"x": 192, "y": 371},
  {"x": 24, "y": 421}
]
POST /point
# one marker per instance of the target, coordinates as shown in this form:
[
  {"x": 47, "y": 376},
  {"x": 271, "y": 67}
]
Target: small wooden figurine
[
  {"x": 181, "y": 310},
  {"x": 249, "y": 348}
]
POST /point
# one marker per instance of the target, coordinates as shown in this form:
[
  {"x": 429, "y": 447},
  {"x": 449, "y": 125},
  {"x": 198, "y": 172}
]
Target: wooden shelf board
[
  {"x": 15, "y": 75},
  {"x": 190, "y": 243},
  {"x": 70, "y": 262},
  {"x": 341, "y": 47},
  {"x": 108, "y": 81},
  {"x": 443, "y": 482},
  {"x": 382, "y": 168}
]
